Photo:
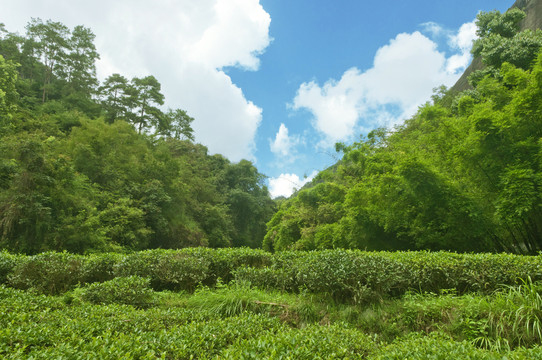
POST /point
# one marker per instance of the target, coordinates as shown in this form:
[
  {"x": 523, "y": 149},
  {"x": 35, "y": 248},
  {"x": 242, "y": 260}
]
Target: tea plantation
[{"x": 202, "y": 303}]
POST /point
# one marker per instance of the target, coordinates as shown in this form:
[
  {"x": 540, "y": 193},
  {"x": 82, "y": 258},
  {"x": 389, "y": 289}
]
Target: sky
[{"x": 278, "y": 82}]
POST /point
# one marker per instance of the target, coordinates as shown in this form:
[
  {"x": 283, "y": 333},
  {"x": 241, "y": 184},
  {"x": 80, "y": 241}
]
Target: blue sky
[{"x": 278, "y": 82}]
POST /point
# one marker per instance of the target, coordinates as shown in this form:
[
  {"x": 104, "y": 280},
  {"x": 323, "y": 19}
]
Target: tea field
[{"x": 249, "y": 304}]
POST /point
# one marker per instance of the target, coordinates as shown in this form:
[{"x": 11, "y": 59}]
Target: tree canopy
[{"x": 88, "y": 167}]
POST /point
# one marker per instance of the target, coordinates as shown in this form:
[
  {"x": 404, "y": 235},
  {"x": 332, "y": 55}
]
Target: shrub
[
  {"x": 351, "y": 276},
  {"x": 311, "y": 342},
  {"x": 100, "y": 267},
  {"x": 7, "y": 264},
  {"x": 432, "y": 347},
  {"x": 167, "y": 269},
  {"x": 435, "y": 271},
  {"x": 437, "y": 346},
  {"x": 47, "y": 273},
  {"x": 359, "y": 276},
  {"x": 223, "y": 262},
  {"x": 132, "y": 290},
  {"x": 266, "y": 278}
]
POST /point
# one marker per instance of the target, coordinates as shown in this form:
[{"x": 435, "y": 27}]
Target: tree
[
  {"x": 51, "y": 41},
  {"x": 8, "y": 91},
  {"x": 500, "y": 40},
  {"x": 44, "y": 203},
  {"x": 147, "y": 97},
  {"x": 176, "y": 123},
  {"x": 115, "y": 97},
  {"x": 80, "y": 63},
  {"x": 248, "y": 201},
  {"x": 10, "y": 44}
]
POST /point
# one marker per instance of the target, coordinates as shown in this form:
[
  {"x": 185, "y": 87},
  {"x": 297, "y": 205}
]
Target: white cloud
[
  {"x": 464, "y": 37},
  {"x": 184, "y": 44},
  {"x": 463, "y": 42},
  {"x": 433, "y": 28},
  {"x": 402, "y": 78},
  {"x": 335, "y": 105},
  {"x": 286, "y": 184},
  {"x": 458, "y": 62},
  {"x": 239, "y": 34},
  {"x": 284, "y": 144}
]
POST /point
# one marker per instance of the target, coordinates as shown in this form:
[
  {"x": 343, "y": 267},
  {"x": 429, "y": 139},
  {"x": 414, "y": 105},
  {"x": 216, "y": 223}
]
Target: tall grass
[{"x": 514, "y": 317}]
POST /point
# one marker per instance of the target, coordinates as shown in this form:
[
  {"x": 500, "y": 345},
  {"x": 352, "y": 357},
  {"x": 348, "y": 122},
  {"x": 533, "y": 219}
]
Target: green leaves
[
  {"x": 415, "y": 305},
  {"x": 500, "y": 40},
  {"x": 131, "y": 290},
  {"x": 8, "y": 92}
]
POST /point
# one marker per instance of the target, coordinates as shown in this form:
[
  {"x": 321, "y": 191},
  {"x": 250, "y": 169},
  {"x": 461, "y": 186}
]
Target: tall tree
[
  {"x": 80, "y": 62},
  {"x": 8, "y": 91},
  {"x": 147, "y": 97},
  {"x": 114, "y": 94},
  {"x": 176, "y": 123},
  {"x": 51, "y": 41}
]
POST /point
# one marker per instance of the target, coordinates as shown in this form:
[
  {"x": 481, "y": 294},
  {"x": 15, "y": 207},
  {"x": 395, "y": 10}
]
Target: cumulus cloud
[
  {"x": 184, "y": 44},
  {"x": 284, "y": 144},
  {"x": 239, "y": 34},
  {"x": 462, "y": 41},
  {"x": 403, "y": 76},
  {"x": 464, "y": 37},
  {"x": 286, "y": 184}
]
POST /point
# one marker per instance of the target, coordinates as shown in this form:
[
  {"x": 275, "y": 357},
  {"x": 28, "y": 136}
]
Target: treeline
[
  {"x": 463, "y": 174},
  {"x": 88, "y": 167}
]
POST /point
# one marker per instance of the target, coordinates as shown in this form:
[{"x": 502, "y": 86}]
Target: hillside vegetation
[
  {"x": 463, "y": 174},
  {"x": 91, "y": 167},
  {"x": 88, "y": 167}
]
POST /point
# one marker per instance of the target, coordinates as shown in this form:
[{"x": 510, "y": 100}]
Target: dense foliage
[
  {"x": 350, "y": 276},
  {"x": 113, "y": 306},
  {"x": 100, "y": 167},
  {"x": 463, "y": 174}
]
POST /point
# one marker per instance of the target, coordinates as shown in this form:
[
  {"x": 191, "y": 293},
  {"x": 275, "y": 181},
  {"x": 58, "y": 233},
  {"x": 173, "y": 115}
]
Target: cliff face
[
  {"x": 533, "y": 10},
  {"x": 533, "y": 21}
]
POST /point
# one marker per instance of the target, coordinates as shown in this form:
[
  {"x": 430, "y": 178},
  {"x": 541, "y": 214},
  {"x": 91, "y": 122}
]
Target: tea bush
[
  {"x": 7, "y": 263},
  {"x": 132, "y": 290},
  {"x": 167, "y": 269},
  {"x": 44, "y": 327},
  {"x": 434, "y": 271},
  {"x": 267, "y": 278},
  {"x": 200, "y": 325},
  {"x": 358, "y": 276},
  {"x": 311, "y": 342},
  {"x": 47, "y": 273},
  {"x": 346, "y": 275},
  {"x": 440, "y": 347},
  {"x": 100, "y": 267},
  {"x": 223, "y": 262}
]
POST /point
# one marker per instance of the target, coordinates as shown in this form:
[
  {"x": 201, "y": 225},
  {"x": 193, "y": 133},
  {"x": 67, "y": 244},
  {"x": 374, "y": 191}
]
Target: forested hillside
[
  {"x": 88, "y": 166},
  {"x": 463, "y": 174},
  {"x": 92, "y": 172}
]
